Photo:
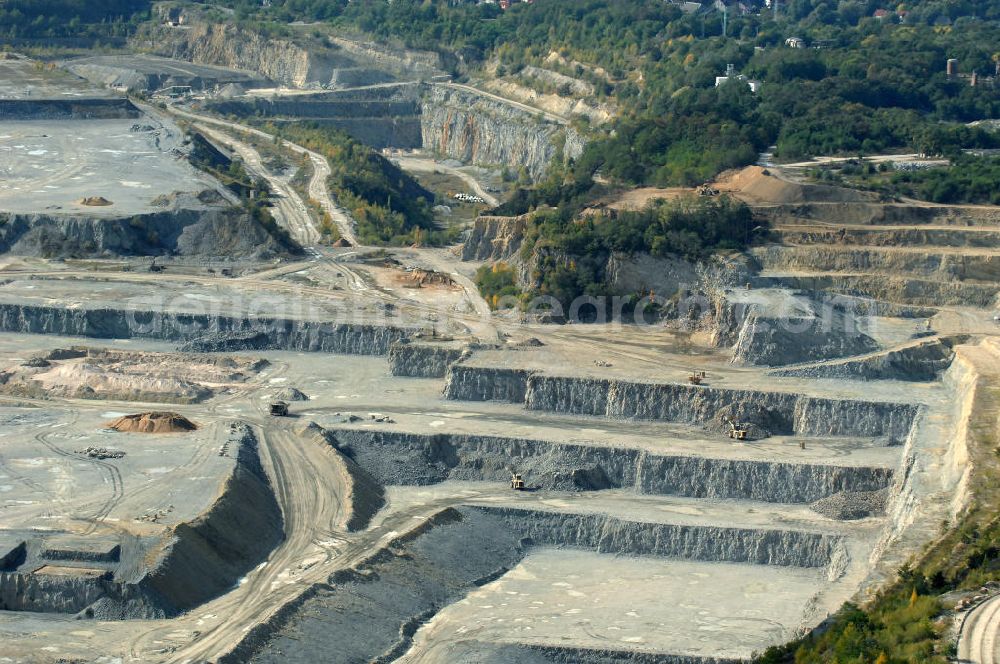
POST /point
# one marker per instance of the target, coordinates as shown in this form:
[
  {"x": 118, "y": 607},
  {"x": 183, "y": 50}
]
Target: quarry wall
[
  {"x": 787, "y": 413},
  {"x": 205, "y": 333},
  {"x": 401, "y": 458},
  {"x": 110, "y": 108},
  {"x": 482, "y": 130},
  {"x": 205, "y": 232}
]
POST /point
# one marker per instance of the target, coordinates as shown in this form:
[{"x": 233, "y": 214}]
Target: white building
[{"x": 731, "y": 74}]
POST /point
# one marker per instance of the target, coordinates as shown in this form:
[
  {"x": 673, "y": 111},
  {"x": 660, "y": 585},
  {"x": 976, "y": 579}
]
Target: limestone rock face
[
  {"x": 423, "y": 360},
  {"x": 770, "y": 341},
  {"x": 481, "y": 130},
  {"x": 229, "y": 46},
  {"x": 612, "y": 535},
  {"x": 203, "y": 333},
  {"x": 494, "y": 238},
  {"x": 213, "y": 231}
]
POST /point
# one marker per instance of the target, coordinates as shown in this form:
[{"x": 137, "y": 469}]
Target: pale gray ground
[
  {"x": 48, "y": 166},
  {"x": 559, "y": 597},
  {"x": 24, "y": 79}
]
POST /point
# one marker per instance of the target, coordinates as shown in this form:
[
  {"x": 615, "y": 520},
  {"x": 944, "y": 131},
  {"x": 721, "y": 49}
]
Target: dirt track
[
  {"x": 979, "y": 641},
  {"x": 318, "y": 189}
]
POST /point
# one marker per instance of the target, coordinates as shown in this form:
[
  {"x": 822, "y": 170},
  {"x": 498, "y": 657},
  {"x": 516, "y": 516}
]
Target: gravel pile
[
  {"x": 102, "y": 453},
  {"x": 153, "y": 423},
  {"x": 851, "y": 505},
  {"x": 220, "y": 342},
  {"x": 758, "y": 422},
  {"x": 291, "y": 394}
]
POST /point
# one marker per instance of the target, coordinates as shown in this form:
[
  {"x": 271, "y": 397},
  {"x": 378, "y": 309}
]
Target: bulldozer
[{"x": 516, "y": 482}]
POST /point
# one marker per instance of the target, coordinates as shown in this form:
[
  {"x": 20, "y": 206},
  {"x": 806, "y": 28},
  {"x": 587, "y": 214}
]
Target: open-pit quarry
[{"x": 694, "y": 491}]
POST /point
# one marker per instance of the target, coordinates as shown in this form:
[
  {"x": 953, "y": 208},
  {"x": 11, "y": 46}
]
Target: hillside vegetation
[
  {"x": 74, "y": 19},
  {"x": 390, "y": 207},
  {"x": 568, "y": 255},
  {"x": 877, "y": 84}
]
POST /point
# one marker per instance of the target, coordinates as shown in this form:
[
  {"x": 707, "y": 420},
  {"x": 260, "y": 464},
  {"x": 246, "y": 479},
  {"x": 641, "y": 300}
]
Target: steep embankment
[
  {"x": 281, "y": 60},
  {"x": 773, "y": 341},
  {"x": 919, "y": 361},
  {"x": 363, "y": 494},
  {"x": 424, "y": 359},
  {"x": 370, "y": 612},
  {"x": 948, "y": 264},
  {"x": 70, "y": 109},
  {"x": 210, "y": 232},
  {"x": 208, "y": 555},
  {"x": 494, "y": 238},
  {"x": 380, "y": 117},
  {"x": 608, "y": 534},
  {"x": 160, "y": 576}
]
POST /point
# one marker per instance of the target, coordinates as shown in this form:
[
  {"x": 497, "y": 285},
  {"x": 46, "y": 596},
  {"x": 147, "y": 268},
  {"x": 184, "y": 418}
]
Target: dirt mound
[
  {"x": 162, "y": 422},
  {"x": 419, "y": 277},
  {"x": 758, "y": 422},
  {"x": 758, "y": 185},
  {"x": 852, "y": 505},
  {"x": 95, "y": 201},
  {"x": 291, "y": 394},
  {"x": 637, "y": 199}
]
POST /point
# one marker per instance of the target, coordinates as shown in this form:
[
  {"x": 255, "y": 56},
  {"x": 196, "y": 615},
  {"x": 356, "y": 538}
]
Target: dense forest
[
  {"x": 969, "y": 180},
  {"x": 569, "y": 254},
  {"x": 74, "y": 19}
]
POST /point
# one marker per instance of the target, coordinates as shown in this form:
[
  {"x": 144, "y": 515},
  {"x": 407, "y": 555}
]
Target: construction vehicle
[
  {"x": 279, "y": 409},
  {"x": 697, "y": 377},
  {"x": 516, "y": 482},
  {"x": 736, "y": 431},
  {"x": 153, "y": 267}
]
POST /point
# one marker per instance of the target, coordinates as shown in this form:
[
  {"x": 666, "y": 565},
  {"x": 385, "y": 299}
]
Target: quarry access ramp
[
  {"x": 979, "y": 639},
  {"x": 291, "y": 212},
  {"x": 318, "y": 189}
]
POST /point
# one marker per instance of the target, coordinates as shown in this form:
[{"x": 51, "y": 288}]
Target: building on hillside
[
  {"x": 731, "y": 75},
  {"x": 689, "y": 7}
]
